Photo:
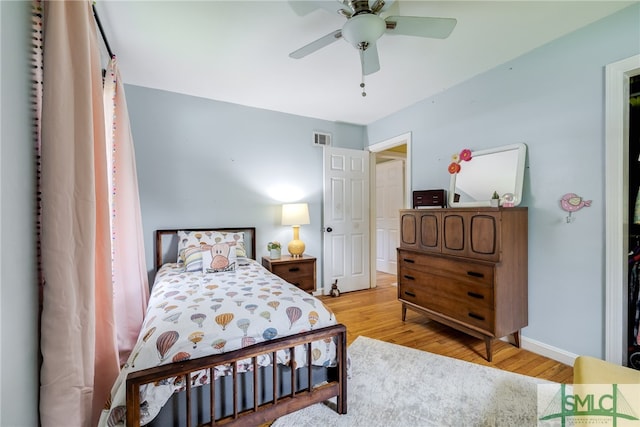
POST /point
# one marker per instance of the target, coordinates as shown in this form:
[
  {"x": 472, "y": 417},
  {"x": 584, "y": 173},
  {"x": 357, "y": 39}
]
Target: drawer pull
[
  {"x": 293, "y": 269},
  {"x": 406, "y": 276},
  {"x": 410, "y": 261},
  {"x": 475, "y": 274},
  {"x": 411, "y": 294},
  {"x": 476, "y": 316},
  {"x": 475, "y": 295}
]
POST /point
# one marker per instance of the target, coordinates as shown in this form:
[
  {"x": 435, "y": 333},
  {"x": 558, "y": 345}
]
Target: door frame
[
  {"x": 402, "y": 139},
  {"x": 617, "y": 76}
]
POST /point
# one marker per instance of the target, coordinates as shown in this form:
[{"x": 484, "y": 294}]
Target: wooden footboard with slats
[{"x": 260, "y": 413}]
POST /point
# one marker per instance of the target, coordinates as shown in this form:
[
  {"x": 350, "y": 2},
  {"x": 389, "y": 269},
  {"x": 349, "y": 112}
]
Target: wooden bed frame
[{"x": 267, "y": 411}]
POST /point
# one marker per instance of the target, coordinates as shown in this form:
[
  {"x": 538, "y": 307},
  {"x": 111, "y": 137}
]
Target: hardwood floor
[{"x": 376, "y": 313}]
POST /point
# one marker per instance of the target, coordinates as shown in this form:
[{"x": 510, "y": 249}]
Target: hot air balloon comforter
[{"x": 192, "y": 315}]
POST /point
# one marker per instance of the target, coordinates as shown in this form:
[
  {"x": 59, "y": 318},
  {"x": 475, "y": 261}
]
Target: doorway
[
  {"x": 389, "y": 201},
  {"x": 632, "y": 290},
  {"x": 390, "y": 192},
  {"x": 617, "y": 83}
]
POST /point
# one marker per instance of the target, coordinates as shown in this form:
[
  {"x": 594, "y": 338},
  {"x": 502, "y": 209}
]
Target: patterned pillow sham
[
  {"x": 197, "y": 239},
  {"x": 220, "y": 257}
]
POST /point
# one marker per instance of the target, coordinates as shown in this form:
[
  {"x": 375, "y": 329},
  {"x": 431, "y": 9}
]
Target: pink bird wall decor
[{"x": 571, "y": 202}]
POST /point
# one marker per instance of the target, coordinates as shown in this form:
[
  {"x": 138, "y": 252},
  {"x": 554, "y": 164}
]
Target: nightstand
[{"x": 298, "y": 271}]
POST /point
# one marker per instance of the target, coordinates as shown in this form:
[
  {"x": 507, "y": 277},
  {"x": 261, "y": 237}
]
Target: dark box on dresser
[{"x": 429, "y": 199}]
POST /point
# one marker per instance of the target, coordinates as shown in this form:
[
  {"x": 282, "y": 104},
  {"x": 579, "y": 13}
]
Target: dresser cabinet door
[
  {"x": 472, "y": 235},
  {"x": 420, "y": 229},
  {"x": 484, "y": 236},
  {"x": 453, "y": 234},
  {"x": 430, "y": 231},
  {"x": 409, "y": 229}
]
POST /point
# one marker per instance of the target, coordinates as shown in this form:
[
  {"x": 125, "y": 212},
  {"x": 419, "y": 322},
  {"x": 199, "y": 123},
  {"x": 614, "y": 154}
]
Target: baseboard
[{"x": 547, "y": 350}]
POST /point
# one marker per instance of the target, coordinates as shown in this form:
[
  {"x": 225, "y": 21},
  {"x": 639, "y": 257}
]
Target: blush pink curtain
[
  {"x": 130, "y": 283},
  {"x": 78, "y": 337}
]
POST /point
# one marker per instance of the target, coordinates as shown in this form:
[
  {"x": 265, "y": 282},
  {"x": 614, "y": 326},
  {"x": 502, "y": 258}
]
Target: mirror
[{"x": 498, "y": 169}]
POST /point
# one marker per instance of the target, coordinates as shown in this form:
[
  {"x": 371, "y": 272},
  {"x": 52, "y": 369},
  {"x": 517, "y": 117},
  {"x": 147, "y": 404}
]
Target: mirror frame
[{"x": 522, "y": 154}]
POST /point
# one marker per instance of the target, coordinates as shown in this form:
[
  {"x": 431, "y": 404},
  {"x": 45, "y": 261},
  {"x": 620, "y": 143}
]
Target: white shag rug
[{"x": 393, "y": 385}]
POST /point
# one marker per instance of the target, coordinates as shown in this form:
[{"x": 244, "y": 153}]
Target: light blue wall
[
  {"x": 18, "y": 289},
  {"x": 207, "y": 163},
  {"x": 552, "y": 99}
]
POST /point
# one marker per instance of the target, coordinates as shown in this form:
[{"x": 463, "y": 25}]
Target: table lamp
[{"x": 295, "y": 214}]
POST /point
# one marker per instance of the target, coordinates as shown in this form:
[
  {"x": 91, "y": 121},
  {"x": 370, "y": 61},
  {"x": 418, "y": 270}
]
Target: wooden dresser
[{"x": 466, "y": 268}]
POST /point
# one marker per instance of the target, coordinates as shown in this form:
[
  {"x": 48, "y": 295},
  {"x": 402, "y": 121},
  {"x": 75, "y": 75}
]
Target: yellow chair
[{"x": 589, "y": 370}]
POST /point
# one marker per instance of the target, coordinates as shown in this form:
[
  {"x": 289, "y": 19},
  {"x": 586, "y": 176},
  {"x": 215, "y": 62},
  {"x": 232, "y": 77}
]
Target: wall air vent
[{"x": 321, "y": 138}]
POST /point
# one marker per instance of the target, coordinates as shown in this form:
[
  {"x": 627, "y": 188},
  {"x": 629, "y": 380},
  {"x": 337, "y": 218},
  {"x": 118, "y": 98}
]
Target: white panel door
[
  {"x": 389, "y": 201},
  {"x": 346, "y": 219}
]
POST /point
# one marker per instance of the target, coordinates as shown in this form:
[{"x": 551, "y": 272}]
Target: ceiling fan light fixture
[{"x": 364, "y": 29}]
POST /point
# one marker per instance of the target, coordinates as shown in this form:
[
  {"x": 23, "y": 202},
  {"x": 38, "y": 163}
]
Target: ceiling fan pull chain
[{"x": 362, "y": 73}]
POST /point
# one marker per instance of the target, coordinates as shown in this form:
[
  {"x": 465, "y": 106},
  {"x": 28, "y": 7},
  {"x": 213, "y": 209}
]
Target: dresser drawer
[
  {"x": 477, "y": 315},
  {"x": 434, "y": 286},
  {"x": 463, "y": 271},
  {"x": 467, "y": 312}
]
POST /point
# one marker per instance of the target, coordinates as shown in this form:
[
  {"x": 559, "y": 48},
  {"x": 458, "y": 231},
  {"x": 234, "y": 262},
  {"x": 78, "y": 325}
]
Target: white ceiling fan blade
[
  {"x": 437, "y": 28},
  {"x": 369, "y": 60},
  {"x": 316, "y": 45},
  {"x": 305, "y": 7}
]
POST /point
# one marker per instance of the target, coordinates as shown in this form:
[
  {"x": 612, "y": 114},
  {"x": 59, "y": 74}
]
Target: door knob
[{"x": 329, "y": 229}]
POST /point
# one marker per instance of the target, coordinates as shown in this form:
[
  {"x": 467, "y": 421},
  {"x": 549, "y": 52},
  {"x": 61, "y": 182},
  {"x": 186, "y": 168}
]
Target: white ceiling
[{"x": 237, "y": 51}]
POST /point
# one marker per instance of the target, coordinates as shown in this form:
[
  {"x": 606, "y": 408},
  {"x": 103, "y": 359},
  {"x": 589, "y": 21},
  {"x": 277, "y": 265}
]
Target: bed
[{"x": 215, "y": 323}]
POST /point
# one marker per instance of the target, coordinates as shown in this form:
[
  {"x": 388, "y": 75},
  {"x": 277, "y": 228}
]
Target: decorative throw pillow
[
  {"x": 193, "y": 258},
  {"x": 219, "y": 257},
  {"x": 197, "y": 239}
]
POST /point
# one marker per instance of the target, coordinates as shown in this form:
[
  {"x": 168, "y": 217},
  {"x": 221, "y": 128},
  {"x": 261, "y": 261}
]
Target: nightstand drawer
[
  {"x": 293, "y": 271},
  {"x": 305, "y": 283},
  {"x": 300, "y": 272}
]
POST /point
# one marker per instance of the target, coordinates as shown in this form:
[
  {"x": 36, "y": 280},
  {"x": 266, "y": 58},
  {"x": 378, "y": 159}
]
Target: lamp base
[{"x": 296, "y": 248}]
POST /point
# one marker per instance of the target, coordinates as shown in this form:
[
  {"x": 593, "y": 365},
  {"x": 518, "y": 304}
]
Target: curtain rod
[{"x": 104, "y": 37}]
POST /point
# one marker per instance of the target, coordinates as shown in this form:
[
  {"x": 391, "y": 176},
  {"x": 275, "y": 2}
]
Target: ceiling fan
[{"x": 364, "y": 27}]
